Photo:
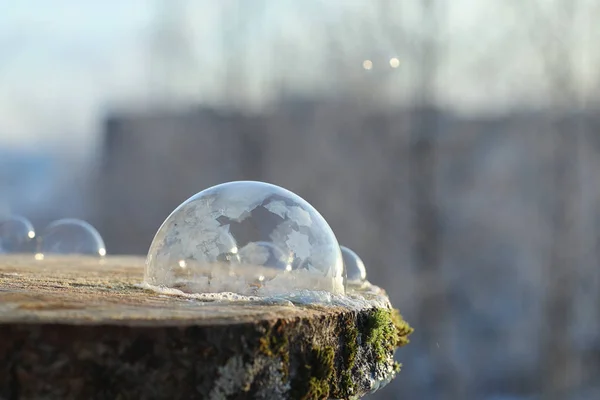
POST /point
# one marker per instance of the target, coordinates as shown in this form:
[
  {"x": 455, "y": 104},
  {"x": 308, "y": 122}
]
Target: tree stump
[{"x": 81, "y": 328}]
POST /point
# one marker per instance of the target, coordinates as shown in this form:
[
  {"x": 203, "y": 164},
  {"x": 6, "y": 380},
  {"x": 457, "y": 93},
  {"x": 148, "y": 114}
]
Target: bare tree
[
  {"x": 552, "y": 31},
  {"x": 558, "y": 356},
  {"x": 238, "y": 19},
  {"x": 424, "y": 45},
  {"x": 172, "y": 56},
  {"x": 433, "y": 309}
]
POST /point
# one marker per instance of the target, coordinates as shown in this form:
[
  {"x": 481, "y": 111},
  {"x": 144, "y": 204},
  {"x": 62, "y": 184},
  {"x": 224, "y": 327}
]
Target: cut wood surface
[{"x": 77, "y": 327}]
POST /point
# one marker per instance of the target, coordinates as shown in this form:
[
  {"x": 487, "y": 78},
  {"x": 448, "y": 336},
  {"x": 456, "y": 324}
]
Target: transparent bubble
[
  {"x": 70, "y": 236},
  {"x": 16, "y": 235},
  {"x": 356, "y": 272},
  {"x": 250, "y": 238}
]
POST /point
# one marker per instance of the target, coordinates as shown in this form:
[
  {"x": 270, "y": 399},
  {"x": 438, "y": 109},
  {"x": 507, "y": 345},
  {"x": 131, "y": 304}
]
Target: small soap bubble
[
  {"x": 249, "y": 238},
  {"x": 356, "y": 272},
  {"x": 16, "y": 235},
  {"x": 70, "y": 236}
]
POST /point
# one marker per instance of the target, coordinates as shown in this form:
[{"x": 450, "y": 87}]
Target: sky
[
  {"x": 59, "y": 62},
  {"x": 65, "y": 63}
]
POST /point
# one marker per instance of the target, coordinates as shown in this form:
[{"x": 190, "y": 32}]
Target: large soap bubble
[
  {"x": 16, "y": 235},
  {"x": 250, "y": 238},
  {"x": 356, "y": 273}
]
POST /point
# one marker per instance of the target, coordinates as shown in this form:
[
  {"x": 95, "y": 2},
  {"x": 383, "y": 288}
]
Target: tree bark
[{"x": 77, "y": 327}]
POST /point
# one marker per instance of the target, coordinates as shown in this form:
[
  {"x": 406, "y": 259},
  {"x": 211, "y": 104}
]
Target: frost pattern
[{"x": 209, "y": 244}]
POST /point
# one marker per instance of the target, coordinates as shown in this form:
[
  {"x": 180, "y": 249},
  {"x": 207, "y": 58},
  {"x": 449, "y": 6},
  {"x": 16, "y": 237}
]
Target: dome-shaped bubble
[
  {"x": 70, "y": 236},
  {"x": 356, "y": 272},
  {"x": 16, "y": 235},
  {"x": 251, "y": 238}
]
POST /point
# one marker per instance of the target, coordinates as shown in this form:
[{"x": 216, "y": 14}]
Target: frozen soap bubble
[
  {"x": 70, "y": 236},
  {"x": 250, "y": 238},
  {"x": 16, "y": 235},
  {"x": 355, "y": 268}
]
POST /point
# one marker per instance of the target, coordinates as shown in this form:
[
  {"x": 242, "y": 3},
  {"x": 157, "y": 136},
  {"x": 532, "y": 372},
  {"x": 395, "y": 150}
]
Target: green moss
[
  {"x": 403, "y": 328},
  {"x": 350, "y": 343},
  {"x": 386, "y": 330},
  {"x": 317, "y": 389},
  {"x": 329, "y": 371},
  {"x": 275, "y": 344},
  {"x": 323, "y": 364},
  {"x": 397, "y": 367},
  {"x": 348, "y": 386},
  {"x": 317, "y": 380}
]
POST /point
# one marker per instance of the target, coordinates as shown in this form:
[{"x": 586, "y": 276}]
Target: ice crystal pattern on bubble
[{"x": 251, "y": 238}]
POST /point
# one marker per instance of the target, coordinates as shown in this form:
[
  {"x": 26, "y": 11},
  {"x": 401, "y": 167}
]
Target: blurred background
[{"x": 455, "y": 145}]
